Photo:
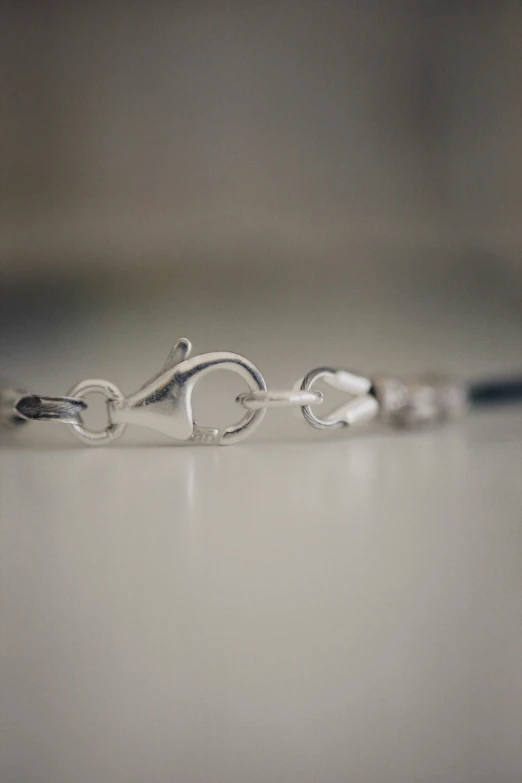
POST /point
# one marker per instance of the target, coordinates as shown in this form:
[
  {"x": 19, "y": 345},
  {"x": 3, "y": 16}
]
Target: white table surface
[{"x": 301, "y": 607}]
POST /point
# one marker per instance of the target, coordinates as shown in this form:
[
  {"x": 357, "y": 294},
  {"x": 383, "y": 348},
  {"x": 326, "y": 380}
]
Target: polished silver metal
[
  {"x": 19, "y": 407},
  {"x": 34, "y": 407},
  {"x": 279, "y": 399},
  {"x": 427, "y": 399},
  {"x": 360, "y": 408},
  {"x": 165, "y": 402},
  {"x": 114, "y": 430}
]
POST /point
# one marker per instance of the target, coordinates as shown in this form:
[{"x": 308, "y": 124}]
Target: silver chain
[{"x": 165, "y": 402}]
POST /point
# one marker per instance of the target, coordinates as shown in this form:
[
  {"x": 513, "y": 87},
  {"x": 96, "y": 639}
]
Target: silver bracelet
[{"x": 165, "y": 402}]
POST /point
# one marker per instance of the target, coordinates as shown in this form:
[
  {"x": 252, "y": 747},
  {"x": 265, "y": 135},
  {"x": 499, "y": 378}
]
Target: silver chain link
[{"x": 165, "y": 402}]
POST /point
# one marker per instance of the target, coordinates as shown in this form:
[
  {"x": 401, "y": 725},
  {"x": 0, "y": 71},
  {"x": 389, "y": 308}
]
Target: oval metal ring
[
  {"x": 111, "y": 393},
  {"x": 279, "y": 399},
  {"x": 361, "y": 406}
]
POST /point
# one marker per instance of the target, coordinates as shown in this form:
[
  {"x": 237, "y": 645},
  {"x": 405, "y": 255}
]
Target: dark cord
[{"x": 497, "y": 391}]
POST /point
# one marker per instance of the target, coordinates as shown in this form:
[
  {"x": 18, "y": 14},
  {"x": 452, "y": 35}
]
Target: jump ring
[
  {"x": 314, "y": 375},
  {"x": 360, "y": 407},
  {"x": 111, "y": 393}
]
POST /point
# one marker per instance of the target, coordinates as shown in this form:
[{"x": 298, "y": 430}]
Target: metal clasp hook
[{"x": 165, "y": 402}]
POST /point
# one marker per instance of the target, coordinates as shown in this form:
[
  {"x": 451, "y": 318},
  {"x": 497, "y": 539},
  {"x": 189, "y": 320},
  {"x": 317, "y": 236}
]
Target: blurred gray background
[
  {"x": 142, "y": 138},
  {"x": 306, "y": 183},
  {"x": 261, "y": 175}
]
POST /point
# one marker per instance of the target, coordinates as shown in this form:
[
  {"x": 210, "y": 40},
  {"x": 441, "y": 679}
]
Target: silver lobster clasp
[{"x": 165, "y": 402}]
